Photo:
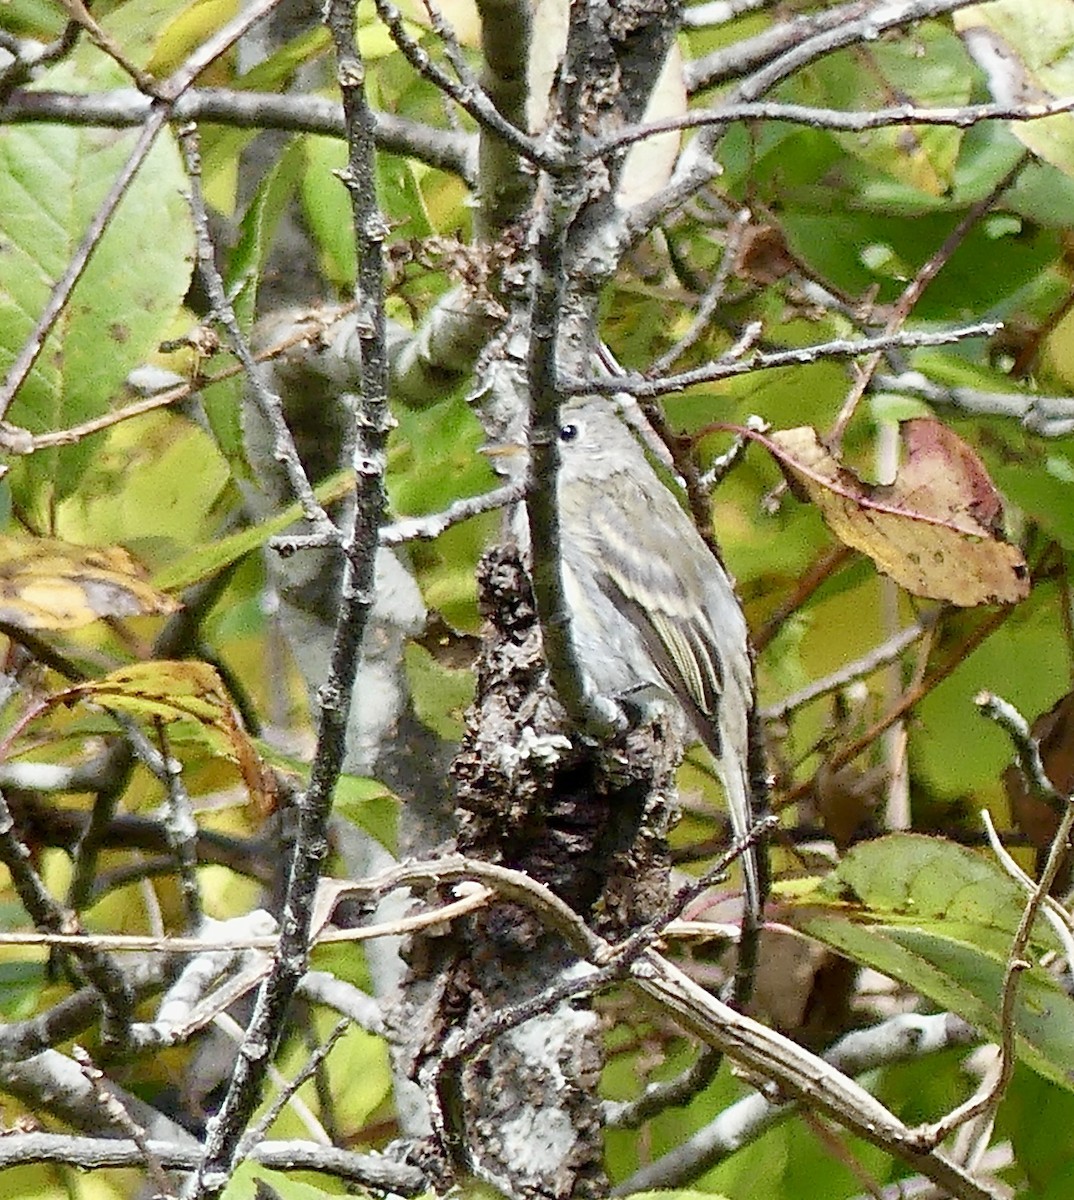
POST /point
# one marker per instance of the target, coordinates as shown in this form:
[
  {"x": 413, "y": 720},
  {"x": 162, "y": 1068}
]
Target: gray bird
[{"x": 652, "y": 609}]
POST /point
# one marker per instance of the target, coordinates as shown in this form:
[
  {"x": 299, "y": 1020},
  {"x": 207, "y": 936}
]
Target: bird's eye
[{"x": 568, "y": 432}]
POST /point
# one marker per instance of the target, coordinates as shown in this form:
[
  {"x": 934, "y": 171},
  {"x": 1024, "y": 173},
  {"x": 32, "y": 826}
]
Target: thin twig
[
  {"x": 411, "y": 529},
  {"x": 446, "y": 149},
  {"x": 960, "y": 117},
  {"x": 1054, "y": 913},
  {"x": 780, "y": 38},
  {"x": 117, "y": 1112},
  {"x": 144, "y": 943},
  {"x": 107, "y": 45},
  {"x": 636, "y": 385},
  {"x": 802, "y": 42},
  {"x": 470, "y": 97},
  {"x": 887, "y": 652},
  {"x": 181, "y": 829},
  {"x": 710, "y": 301},
  {"x": 256, "y": 1133},
  {"x": 267, "y": 399},
  {"x": 215, "y": 47},
  {"x": 913, "y": 292},
  {"x": 912, "y": 696},
  {"x": 376, "y": 1172},
  {"x": 117, "y": 1001}
]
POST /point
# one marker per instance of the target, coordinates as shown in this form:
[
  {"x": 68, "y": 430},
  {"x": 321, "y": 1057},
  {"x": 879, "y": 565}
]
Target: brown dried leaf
[
  {"x": 1034, "y": 816},
  {"x": 934, "y": 530},
  {"x": 54, "y": 585}
]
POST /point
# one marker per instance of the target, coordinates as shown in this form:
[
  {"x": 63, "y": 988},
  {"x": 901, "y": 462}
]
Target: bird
[{"x": 652, "y": 608}]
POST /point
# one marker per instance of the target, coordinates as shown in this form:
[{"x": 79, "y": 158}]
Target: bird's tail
[{"x": 745, "y": 784}]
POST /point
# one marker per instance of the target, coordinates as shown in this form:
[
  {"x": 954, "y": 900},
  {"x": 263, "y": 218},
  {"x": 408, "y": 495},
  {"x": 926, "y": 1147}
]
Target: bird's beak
[{"x": 501, "y": 449}]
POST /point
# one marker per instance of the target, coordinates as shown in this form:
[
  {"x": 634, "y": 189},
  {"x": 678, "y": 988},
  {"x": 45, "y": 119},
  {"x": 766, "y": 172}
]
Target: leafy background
[{"x": 855, "y": 214}]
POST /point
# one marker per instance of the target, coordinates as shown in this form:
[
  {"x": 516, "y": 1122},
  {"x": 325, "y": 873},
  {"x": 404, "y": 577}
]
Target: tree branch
[
  {"x": 447, "y": 149},
  {"x": 92, "y": 1154},
  {"x": 356, "y": 601}
]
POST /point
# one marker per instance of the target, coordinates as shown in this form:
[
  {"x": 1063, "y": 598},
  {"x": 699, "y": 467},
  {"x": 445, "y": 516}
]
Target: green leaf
[
  {"x": 21, "y": 985},
  {"x": 370, "y": 805},
  {"x": 223, "y": 401},
  {"x": 1043, "y": 1149},
  {"x": 441, "y": 694},
  {"x": 432, "y": 460},
  {"x": 927, "y": 69},
  {"x": 327, "y": 209},
  {"x": 860, "y": 250},
  {"x": 365, "y": 802},
  {"x": 674, "y": 1194},
  {"x": 52, "y": 181},
  {"x": 940, "y": 918},
  {"x": 181, "y": 29},
  {"x": 206, "y": 560},
  {"x": 1033, "y": 51},
  {"x": 1046, "y": 493},
  {"x": 186, "y": 692},
  {"x": 244, "y": 1184}
]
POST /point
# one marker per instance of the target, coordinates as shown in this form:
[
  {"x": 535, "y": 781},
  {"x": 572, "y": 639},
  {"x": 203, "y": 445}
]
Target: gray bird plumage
[{"x": 652, "y": 609}]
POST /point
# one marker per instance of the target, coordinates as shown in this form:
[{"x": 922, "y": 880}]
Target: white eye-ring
[{"x": 569, "y": 432}]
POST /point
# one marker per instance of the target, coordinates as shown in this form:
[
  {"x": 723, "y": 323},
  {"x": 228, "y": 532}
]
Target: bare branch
[
  {"x": 447, "y": 149},
  {"x": 117, "y": 1000},
  {"x": 906, "y": 1038},
  {"x": 410, "y": 529},
  {"x": 913, "y": 291},
  {"x": 1048, "y": 416},
  {"x": 960, "y": 117},
  {"x": 759, "y": 360},
  {"x": 799, "y": 1074},
  {"x": 881, "y": 656},
  {"x": 469, "y": 95},
  {"x": 214, "y": 47},
  {"x": 372, "y": 1171},
  {"x": 268, "y": 401},
  {"x": 861, "y": 20},
  {"x": 117, "y": 1110},
  {"x": 372, "y": 423}
]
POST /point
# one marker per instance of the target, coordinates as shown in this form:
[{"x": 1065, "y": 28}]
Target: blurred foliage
[{"x": 840, "y": 224}]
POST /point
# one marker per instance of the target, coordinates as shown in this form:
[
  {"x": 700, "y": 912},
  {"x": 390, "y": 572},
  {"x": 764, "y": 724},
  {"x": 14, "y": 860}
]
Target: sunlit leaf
[
  {"x": 53, "y": 585},
  {"x": 940, "y": 919},
  {"x": 223, "y": 401},
  {"x": 204, "y": 561},
  {"x": 1026, "y": 48},
  {"x": 180, "y": 691},
  {"x": 53, "y": 178}
]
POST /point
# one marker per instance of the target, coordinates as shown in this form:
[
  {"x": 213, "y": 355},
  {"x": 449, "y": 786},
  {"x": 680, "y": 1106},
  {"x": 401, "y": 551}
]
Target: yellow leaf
[
  {"x": 181, "y": 690},
  {"x": 54, "y": 585}
]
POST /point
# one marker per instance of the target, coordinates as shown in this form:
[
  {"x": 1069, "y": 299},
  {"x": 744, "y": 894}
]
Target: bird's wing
[{"x": 700, "y": 649}]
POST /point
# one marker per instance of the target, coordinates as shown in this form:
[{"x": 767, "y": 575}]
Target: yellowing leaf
[
  {"x": 54, "y": 585},
  {"x": 934, "y": 530},
  {"x": 1026, "y": 48},
  {"x": 180, "y": 691}
]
